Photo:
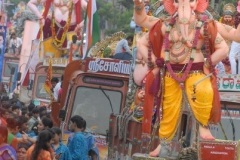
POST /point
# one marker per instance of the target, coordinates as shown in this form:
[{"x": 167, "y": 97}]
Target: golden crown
[{"x": 229, "y": 9}]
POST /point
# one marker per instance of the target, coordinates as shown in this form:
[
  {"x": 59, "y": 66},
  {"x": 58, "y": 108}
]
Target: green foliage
[
  {"x": 107, "y": 52},
  {"x": 11, "y": 8},
  {"x": 116, "y": 16}
]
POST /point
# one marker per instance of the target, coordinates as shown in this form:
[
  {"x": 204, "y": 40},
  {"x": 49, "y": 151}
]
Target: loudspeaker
[{"x": 62, "y": 114}]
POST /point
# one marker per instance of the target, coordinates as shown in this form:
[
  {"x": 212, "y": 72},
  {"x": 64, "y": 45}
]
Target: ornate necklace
[
  {"x": 177, "y": 45},
  {"x": 180, "y": 78},
  {"x": 176, "y": 57}
]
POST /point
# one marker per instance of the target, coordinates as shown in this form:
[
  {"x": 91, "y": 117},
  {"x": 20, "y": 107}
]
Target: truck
[
  {"x": 39, "y": 96},
  {"x": 93, "y": 88}
]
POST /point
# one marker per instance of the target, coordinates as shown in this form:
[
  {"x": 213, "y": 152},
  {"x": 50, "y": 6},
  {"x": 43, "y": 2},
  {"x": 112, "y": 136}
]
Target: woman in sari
[
  {"x": 41, "y": 150},
  {"x": 6, "y": 151}
]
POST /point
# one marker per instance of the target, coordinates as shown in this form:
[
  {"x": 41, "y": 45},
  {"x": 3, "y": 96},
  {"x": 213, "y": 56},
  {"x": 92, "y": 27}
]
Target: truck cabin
[
  {"x": 39, "y": 94},
  {"x": 96, "y": 90}
]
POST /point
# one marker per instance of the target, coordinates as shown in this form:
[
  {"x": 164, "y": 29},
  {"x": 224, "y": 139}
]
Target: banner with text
[{"x": 3, "y": 30}]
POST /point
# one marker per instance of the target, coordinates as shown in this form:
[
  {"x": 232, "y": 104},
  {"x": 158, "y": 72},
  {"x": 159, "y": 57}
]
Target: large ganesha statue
[{"x": 175, "y": 72}]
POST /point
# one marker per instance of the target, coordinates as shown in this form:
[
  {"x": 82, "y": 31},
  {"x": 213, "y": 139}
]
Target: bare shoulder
[{"x": 37, "y": 2}]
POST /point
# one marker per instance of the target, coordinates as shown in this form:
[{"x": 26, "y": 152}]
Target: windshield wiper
[{"x": 107, "y": 97}]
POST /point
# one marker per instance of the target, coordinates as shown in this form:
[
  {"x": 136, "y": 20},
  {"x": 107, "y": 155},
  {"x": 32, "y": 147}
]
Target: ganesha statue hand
[{"x": 173, "y": 69}]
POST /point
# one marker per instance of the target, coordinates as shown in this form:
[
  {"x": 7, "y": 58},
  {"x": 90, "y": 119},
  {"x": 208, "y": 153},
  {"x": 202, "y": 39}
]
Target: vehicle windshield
[
  {"x": 40, "y": 91},
  {"x": 93, "y": 105}
]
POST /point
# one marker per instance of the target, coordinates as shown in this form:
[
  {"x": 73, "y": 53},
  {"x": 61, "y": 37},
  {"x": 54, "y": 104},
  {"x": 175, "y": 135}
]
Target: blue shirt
[
  {"x": 122, "y": 47},
  {"x": 78, "y": 147},
  {"x": 91, "y": 143},
  {"x": 30, "y": 134},
  {"x": 64, "y": 151}
]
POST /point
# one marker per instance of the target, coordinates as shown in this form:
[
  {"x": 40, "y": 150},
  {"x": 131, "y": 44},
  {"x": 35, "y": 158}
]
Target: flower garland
[
  {"x": 59, "y": 42},
  {"x": 176, "y": 76}
]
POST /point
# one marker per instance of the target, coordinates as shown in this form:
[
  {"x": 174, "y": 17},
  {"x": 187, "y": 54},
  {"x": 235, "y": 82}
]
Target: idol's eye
[
  {"x": 192, "y": 0},
  {"x": 176, "y": 1}
]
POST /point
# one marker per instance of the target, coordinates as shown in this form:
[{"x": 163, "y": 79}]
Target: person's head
[
  {"x": 54, "y": 81},
  {"x": 35, "y": 112},
  {"x": 14, "y": 124},
  {"x": 42, "y": 111},
  {"x": 16, "y": 109},
  {"x": 3, "y": 134},
  {"x": 227, "y": 18},
  {"x": 42, "y": 143},
  {"x": 29, "y": 115},
  {"x": 77, "y": 123},
  {"x": 130, "y": 40},
  {"x": 4, "y": 113},
  {"x": 21, "y": 151},
  {"x": 24, "y": 126},
  {"x": 57, "y": 134},
  {"x": 4, "y": 99},
  {"x": 31, "y": 106},
  {"x": 228, "y": 13},
  {"x": 44, "y": 123},
  {"x": 7, "y": 106},
  {"x": 140, "y": 95},
  {"x": 74, "y": 38},
  {"x": 25, "y": 114},
  {"x": 13, "y": 36}
]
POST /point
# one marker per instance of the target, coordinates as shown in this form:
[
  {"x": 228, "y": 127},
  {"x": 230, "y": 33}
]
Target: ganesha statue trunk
[{"x": 184, "y": 14}]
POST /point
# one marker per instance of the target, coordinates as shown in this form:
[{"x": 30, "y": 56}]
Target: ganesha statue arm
[
  {"x": 32, "y": 5},
  {"x": 228, "y": 32},
  {"x": 140, "y": 16},
  {"x": 141, "y": 64},
  {"x": 221, "y": 50}
]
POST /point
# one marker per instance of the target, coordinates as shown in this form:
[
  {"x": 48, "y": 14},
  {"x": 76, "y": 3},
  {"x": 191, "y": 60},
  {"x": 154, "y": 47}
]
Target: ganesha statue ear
[
  {"x": 202, "y": 5},
  {"x": 169, "y": 7}
]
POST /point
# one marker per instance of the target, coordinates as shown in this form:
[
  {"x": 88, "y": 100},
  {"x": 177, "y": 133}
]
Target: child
[{"x": 61, "y": 151}]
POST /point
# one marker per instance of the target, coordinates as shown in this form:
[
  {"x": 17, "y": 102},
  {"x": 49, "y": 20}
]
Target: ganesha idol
[
  {"x": 175, "y": 72},
  {"x": 60, "y": 20}
]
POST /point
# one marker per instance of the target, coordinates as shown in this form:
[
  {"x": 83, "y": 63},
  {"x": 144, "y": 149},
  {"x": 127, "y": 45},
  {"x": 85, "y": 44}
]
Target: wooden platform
[
  {"x": 139, "y": 156},
  {"x": 231, "y": 97}
]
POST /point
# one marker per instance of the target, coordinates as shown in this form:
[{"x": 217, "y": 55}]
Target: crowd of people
[{"x": 28, "y": 133}]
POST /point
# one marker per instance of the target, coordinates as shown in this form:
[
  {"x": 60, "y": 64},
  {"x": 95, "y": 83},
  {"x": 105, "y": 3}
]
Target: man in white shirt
[
  {"x": 56, "y": 85},
  {"x": 15, "y": 44}
]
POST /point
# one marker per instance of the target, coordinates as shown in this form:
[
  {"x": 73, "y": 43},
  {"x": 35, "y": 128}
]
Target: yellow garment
[
  {"x": 49, "y": 49},
  {"x": 172, "y": 103}
]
